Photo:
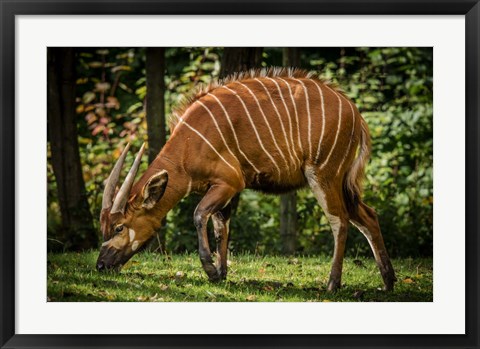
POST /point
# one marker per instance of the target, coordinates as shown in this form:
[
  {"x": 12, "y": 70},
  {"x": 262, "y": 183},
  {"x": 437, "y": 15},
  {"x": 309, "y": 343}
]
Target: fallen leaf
[
  {"x": 211, "y": 294},
  {"x": 408, "y": 281},
  {"x": 293, "y": 261},
  {"x": 251, "y": 298},
  {"x": 148, "y": 298},
  {"x": 179, "y": 276}
]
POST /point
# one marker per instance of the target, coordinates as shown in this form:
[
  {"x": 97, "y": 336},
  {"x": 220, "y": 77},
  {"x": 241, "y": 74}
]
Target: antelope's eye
[{"x": 118, "y": 229}]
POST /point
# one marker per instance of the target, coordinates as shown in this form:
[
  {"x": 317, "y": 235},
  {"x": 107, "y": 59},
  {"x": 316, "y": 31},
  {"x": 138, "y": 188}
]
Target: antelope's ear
[{"x": 153, "y": 190}]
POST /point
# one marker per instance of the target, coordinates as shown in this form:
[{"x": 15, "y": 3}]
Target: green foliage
[
  {"x": 153, "y": 277},
  {"x": 255, "y": 226},
  {"x": 201, "y": 66},
  {"x": 393, "y": 88}
]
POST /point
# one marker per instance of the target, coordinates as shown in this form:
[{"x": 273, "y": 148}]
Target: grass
[{"x": 180, "y": 278}]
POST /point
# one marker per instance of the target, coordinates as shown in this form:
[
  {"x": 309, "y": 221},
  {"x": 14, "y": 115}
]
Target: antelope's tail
[{"x": 353, "y": 179}]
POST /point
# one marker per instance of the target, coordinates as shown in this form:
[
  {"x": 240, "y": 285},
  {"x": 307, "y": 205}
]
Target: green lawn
[{"x": 179, "y": 278}]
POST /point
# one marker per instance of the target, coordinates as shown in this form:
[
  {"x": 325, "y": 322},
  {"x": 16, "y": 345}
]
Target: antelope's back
[{"x": 268, "y": 126}]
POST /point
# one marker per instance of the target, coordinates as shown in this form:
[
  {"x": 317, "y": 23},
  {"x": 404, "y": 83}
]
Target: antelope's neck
[{"x": 178, "y": 180}]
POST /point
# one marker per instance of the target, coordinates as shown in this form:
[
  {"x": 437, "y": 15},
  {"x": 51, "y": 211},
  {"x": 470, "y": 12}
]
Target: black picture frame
[{"x": 9, "y": 9}]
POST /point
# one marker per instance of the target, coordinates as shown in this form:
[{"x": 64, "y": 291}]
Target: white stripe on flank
[
  {"x": 338, "y": 127},
  {"x": 309, "y": 118},
  {"x": 218, "y": 129},
  {"x": 189, "y": 187},
  {"x": 267, "y": 123},
  {"x": 210, "y": 145},
  {"x": 296, "y": 114},
  {"x": 289, "y": 118},
  {"x": 233, "y": 131},
  {"x": 323, "y": 120},
  {"x": 351, "y": 135},
  {"x": 254, "y": 128},
  {"x": 289, "y": 146}
]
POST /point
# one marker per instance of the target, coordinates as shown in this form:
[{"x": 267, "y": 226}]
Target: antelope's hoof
[
  {"x": 212, "y": 273},
  {"x": 389, "y": 285},
  {"x": 222, "y": 272},
  {"x": 333, "y": 285},
  {"x": 218, "y": 276},
  {"x": 215, "y": 278},
  {"x": 389, "y": 280}
]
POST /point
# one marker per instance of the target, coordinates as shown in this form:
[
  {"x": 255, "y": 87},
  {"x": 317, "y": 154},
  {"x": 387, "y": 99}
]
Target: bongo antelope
[{"x": 272, "y": 130}]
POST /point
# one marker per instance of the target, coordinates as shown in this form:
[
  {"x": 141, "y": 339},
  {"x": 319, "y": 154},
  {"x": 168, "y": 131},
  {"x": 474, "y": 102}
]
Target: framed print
[{"x": 269, "y": 97}]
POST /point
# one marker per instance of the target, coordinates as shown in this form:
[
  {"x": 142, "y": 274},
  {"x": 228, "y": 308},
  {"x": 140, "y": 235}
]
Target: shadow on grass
[
  {"x": 347, "y": 293},
  {"x": 128, "y": 286}
]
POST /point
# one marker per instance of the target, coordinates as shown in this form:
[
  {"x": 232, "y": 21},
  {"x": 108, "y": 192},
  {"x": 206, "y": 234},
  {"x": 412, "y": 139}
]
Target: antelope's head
[{"x": 126, "y": 220}]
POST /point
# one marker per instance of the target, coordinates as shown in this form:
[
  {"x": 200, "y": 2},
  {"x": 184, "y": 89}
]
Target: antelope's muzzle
[{"x": 110, "y": 259}]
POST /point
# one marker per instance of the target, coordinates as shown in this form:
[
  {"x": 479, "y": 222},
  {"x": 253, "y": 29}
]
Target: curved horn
[
  {"x": 112, "y": 180},
  {"x": 124, "y": 192}
]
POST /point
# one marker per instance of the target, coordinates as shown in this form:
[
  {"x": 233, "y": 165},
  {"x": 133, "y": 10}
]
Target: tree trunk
[
  {"x": 288, "y": 202},
  {"x": 77, "y": 223},
  {"x": 288, "y": 222},
  {"x": 155, "y": 71},
  {"x": 291, "y": 57},
  {"x": 236, "y": 59},
  {"x": 155, "y": 68}
]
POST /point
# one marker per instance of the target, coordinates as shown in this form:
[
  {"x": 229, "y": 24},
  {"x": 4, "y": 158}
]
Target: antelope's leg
[
  {"x": 221, "y": 221},
  {"x": 216, "y": 198},
  {"x": 339, "y": 228},
  {"x": 365, "y": 219},
  {"x": 331, "y": 200}
]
